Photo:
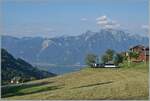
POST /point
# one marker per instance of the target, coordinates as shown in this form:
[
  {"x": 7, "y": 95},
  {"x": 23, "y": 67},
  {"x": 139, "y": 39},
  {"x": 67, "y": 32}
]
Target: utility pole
[{"x": 145, "y": 54}]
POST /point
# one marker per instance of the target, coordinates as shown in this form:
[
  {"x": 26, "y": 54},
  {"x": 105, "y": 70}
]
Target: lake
[
  {"x": 64, "y": 69},
  {"x": 60, "y": 69}
]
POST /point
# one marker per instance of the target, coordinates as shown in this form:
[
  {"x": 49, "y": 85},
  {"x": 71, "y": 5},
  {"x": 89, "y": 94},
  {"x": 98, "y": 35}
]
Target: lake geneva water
[
  {"x": 64, "y": 69},
  {"x": 60, "y": 69}
]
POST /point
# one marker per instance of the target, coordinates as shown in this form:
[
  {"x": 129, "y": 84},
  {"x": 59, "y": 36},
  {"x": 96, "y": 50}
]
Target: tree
[
  {"x": 104, "y": 58},
  {"x": 108, "y": 56},
  {"x": 90, "y": 59},
  {"x": 118, "y": 58},
  {"x": 134, "y": 55},
  {"x": 130, "y": 53}
]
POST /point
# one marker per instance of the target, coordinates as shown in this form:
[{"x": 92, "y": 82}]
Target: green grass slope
[{"x": 89, "y": 83}]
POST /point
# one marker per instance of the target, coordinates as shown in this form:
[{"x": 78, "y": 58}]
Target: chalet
[{"x": 143, "y": 52}]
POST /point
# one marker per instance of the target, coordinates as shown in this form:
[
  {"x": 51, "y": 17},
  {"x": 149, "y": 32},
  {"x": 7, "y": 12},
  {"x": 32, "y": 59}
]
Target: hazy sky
[{"x": 72, "y": 17}]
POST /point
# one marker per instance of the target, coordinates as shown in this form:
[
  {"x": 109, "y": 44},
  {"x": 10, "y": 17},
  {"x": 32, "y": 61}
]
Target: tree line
[{"x": 109, "y": 55}]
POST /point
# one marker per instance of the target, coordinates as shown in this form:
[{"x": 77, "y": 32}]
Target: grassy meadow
[{"x": 127, "y": 82}]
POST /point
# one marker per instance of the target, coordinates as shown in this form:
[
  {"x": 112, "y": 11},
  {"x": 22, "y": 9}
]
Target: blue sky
[{"x": 50, "y": 18}]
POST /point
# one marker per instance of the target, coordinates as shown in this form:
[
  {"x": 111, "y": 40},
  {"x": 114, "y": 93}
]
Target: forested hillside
[{"x": 12, "y": 67}]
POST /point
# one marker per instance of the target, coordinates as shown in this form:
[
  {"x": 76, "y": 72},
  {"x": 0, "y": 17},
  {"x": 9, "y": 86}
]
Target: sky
[{"x": 50, "y": 18}]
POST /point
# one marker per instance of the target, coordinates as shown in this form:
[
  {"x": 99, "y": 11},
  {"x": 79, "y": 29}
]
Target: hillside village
[{"x": 136, "y": 54}]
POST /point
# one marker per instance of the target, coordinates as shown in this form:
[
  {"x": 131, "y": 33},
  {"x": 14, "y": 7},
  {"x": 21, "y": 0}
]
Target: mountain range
[{"x": 70, "y": 49}]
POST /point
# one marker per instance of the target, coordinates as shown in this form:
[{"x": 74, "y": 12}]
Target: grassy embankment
[{"x": 128, "y": 82}]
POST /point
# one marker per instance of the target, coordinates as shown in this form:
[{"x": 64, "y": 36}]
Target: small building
[
  {"x": 97, "y": 65},
  {"x": 15, "y": 80},
  {"x": 110, "y": 64},
  {"x": 124, "y": 54},
  {"x": 143, "y": 52}
]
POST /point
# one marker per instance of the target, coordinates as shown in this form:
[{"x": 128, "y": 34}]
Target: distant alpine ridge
[{"x": 70, "y": 49}]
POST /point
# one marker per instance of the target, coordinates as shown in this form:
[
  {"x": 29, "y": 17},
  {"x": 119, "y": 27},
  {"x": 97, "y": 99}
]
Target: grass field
[{"x": 89, "y": 83}]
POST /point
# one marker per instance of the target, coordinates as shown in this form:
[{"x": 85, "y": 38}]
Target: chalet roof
[{"x": 137, "y": 46}]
